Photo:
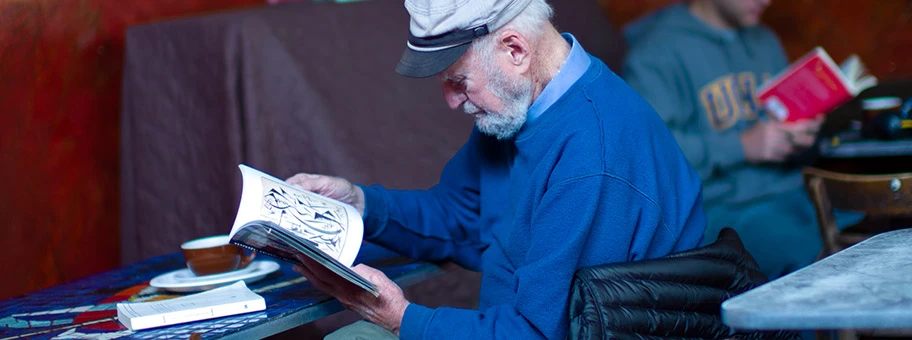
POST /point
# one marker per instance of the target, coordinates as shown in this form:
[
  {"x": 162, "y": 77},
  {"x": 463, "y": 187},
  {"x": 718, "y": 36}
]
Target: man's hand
[
  {"x": 385, "y": 310},
  {"x": 803, "y": 133},
  {"x": 332, "y": 187},
  {"x": 769, "y": 141}
]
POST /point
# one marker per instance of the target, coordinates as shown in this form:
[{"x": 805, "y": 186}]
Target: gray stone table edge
[{"x": 867, "y": 286}]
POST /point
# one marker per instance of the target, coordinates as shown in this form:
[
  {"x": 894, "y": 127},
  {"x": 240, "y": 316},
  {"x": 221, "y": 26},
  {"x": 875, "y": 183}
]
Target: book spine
[
  {"x": 240, "y": 307},
  {"x": 125, "y": 320},
  {"x": 273, "y": 255},
  {"x": 196, "y": 314},
  {"x": 171, "y": 318}
]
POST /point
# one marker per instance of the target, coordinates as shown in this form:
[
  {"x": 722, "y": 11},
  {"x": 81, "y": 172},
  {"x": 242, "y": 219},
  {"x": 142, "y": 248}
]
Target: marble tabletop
[{"x": 867, "y": 286}]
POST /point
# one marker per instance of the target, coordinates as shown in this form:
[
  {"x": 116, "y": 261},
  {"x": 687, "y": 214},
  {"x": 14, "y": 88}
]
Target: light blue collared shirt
[{"x": 576, "y": 64}]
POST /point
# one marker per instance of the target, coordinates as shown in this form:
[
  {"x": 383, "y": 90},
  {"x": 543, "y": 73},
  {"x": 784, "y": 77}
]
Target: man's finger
[
  {"x": 315, "y": 280},
  {"x": 803, "y": 140},
  {"x": 311, "y": 264},
  {"x": 312, "y": 268},
  {"x": 323, "y": 185},
  {"x": 306, "y": 273},
  {"x": 301, "y": 181},
  {"x": 779, "y": 151},
  {"x": 809, "y": 127},
  {"x": 365, "y": 270},
  {"x": 338, "y": 284}
]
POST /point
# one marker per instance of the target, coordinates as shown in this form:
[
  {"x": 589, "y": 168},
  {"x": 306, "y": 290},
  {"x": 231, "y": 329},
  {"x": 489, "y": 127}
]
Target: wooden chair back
[{"x": 878, "y": 196}]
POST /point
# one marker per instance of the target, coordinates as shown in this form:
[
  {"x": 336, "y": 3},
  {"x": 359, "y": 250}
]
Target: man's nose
[{"x": 454, "y": 96}]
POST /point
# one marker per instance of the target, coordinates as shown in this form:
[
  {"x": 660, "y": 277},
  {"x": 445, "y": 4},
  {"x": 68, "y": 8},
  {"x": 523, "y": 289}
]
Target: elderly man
[{"x": 567, "y": 168}]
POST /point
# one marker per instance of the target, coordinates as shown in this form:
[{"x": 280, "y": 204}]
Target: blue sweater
[{"x": 596, "y": 179}]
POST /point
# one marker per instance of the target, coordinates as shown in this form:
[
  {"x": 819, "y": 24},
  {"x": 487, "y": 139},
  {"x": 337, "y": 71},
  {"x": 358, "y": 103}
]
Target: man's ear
[{"x": 517, "y": 50}]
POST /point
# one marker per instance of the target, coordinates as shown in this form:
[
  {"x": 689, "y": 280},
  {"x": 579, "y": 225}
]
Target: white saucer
[{"x": 184, "y": 281}]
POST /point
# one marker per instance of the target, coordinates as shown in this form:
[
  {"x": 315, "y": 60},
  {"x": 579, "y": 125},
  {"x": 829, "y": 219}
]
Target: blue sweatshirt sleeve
[
  {"x": 578, "y": 222},
  {"x": 435, "y": 224},
  {"x": 659, "y": 78}
]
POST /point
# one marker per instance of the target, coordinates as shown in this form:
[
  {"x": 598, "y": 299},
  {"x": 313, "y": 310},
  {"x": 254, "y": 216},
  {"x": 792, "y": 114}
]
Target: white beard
[{"x": 516, "y": 97}]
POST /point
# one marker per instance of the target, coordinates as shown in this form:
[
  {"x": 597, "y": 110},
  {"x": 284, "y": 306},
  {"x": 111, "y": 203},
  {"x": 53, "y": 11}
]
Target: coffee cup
[
  {"x": 214, "y": 255},
  {"x": 873, "y": 107}
]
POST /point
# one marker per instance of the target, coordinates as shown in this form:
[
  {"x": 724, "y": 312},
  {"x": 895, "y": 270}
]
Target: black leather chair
[{"x": 674, "y": 297}]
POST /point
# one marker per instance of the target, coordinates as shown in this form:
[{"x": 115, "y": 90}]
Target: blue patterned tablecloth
[{"x": 86, "y": 308}]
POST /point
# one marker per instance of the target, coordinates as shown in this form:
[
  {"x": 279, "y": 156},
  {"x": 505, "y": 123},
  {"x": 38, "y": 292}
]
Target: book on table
[
  {"x": 282, "y": 221},
  {"x": 813, "y": 86},
  {"x": 223, "y": 301}
]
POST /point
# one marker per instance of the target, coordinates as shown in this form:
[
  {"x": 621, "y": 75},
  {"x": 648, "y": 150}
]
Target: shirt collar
[{"x": 573, "y": 68}]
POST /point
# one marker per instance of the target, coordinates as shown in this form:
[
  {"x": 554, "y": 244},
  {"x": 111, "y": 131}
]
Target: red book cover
[{"x": 808, "y": 88}]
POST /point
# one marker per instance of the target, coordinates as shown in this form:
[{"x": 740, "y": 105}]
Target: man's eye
[{"x": 455, "y": 81}]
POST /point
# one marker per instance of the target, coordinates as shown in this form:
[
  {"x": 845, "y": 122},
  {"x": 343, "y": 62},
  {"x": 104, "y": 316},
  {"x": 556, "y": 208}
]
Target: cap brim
[{"x": 417, "y": 64}]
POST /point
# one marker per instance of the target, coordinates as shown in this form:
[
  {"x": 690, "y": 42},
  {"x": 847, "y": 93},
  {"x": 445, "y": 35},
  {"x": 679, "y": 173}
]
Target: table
[
  {"x": 867, "y": 286},
  {"x": 866, "y": 148},
  {"x": 849, "y": 153},
  {"x": 86, "y": 308}
]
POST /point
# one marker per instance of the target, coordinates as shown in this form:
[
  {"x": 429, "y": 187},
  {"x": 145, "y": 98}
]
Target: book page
[
  {"x": 259, "y": 236},
  {"x": 268, "y": 238},
  {"x": 858, "y": 73},
  {"x": 334, "y": 227},
  {"x": 851, "y": 67}
]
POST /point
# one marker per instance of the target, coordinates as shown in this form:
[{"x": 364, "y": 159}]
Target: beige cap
[{"x": 440, "y": 30}]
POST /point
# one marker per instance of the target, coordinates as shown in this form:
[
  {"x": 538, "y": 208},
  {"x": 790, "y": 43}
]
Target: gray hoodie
[{"x": 702, "y": 80}]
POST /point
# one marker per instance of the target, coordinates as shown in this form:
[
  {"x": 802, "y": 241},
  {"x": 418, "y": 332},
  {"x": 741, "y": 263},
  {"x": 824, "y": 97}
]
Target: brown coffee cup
[
  {"x": 214, "y": 255},
  {"x": 873, "y": 107}
]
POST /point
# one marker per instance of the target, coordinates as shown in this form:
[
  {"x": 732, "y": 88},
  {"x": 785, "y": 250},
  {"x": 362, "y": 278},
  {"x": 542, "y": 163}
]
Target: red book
[{"x": 813, "y": 86}]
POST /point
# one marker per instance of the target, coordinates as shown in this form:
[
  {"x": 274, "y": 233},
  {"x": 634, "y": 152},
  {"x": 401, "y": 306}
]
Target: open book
[
  {"x": 223, "y": 301},
  {"x": 813, "y": 86},
  {"x": 279, "y": 220}
]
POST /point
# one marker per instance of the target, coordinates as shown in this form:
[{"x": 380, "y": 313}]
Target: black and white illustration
[
  {"x": 310, "y": 216},
  {"x": 282, "y": 221}
]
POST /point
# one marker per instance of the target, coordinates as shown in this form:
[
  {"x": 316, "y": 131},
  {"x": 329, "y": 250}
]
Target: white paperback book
[{"x": 223, "y": 301}]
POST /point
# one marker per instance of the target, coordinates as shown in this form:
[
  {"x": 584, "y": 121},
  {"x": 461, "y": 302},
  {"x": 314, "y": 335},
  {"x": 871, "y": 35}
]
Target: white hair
[
  {"x": 530, "y": 23},
  {"x": 515, "y": 94}
]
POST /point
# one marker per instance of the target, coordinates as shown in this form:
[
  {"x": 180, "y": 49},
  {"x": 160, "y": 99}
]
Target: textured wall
[
  {"x": 60, "y": 73},
  {"x": 880, "y": 32}
]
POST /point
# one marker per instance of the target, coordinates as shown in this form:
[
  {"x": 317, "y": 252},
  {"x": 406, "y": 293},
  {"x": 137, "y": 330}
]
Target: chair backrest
[
  {"x": 875, "y": 195},
  {"x": 676, "y": 296}
]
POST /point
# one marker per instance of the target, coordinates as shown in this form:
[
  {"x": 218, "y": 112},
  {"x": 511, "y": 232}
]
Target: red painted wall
[
  {"x": 880, "y": 32},
  {"x": 60, "y": 73}
]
